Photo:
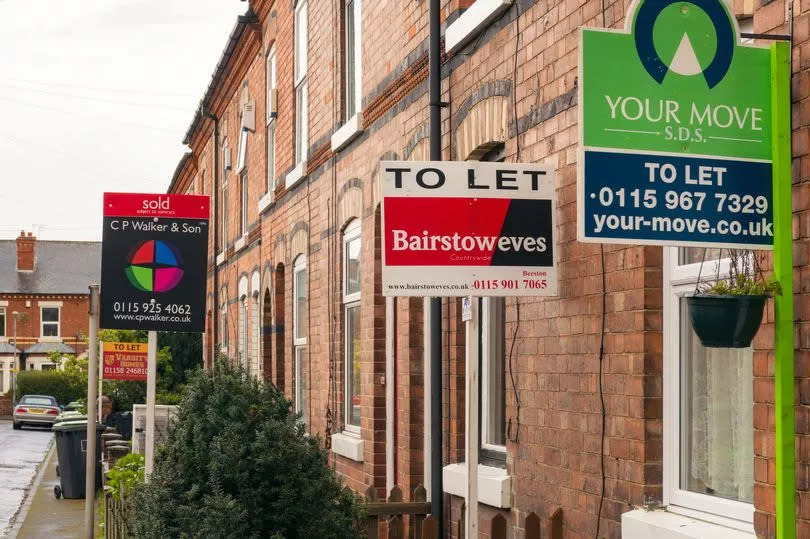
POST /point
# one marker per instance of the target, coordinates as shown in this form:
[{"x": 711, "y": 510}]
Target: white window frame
[
  {"x": 487, "y": 322},
  {"x": 301, "y": 84},
  {"x": 243, "y": 203},
  {"x": 224, "y": 230},
  {"x": 350, "y": 300},
  {"x": 58, "y": 321},
  {"x": 299, "y": 343},
  {"x": 679, "y": 281},
  {"x": 242, "y": 330},
  {"x": 473, "y": 21},
  {"x": 355, "y": 98},
  {"x": 241, "y": 152},
  {"x": 223, "y": 328},
  {"x": 271, "y": 120}
]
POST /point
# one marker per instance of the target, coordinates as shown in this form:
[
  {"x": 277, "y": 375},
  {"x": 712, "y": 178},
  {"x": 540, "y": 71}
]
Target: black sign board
[{"x": 153, "y": 262}]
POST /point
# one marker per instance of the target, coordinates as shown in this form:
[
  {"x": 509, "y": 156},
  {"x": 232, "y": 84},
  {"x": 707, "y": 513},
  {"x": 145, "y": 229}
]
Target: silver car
[{"x": 36, "y": 410}]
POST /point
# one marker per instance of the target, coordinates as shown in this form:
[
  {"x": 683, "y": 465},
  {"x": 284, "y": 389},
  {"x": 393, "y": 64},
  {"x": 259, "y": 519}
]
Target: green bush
[
  {"x": 237, "y": 463},
  {"x": 128, "y": 470},
  {"x": 63, "y": 386}
]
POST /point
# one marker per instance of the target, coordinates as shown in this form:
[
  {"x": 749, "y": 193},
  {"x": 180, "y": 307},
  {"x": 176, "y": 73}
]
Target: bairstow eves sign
[
  {"x": 676, "y": 150},
  {"x": 468, "y": 228}
]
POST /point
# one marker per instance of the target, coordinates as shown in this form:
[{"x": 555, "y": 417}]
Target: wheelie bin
[{"x": 71, "y": 453}]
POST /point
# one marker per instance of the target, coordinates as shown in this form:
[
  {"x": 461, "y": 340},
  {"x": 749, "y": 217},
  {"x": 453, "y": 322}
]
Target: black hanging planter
[{"x": 725, "y": 321}]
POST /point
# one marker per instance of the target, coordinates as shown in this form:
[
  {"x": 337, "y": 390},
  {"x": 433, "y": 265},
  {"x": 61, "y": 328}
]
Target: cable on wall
[
  {"x": 513, "y": 429},
  {"x": 601, "y": 369}
]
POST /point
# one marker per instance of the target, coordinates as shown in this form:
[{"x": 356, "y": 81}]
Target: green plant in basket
[{"x": 728, "y": 312}]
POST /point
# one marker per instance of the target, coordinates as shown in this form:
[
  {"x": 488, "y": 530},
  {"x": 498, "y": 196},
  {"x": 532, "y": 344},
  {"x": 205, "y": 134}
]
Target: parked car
[{"x": 36, "y": 410}]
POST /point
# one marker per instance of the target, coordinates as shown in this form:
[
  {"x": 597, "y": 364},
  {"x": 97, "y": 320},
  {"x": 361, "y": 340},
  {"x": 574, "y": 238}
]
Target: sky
[{"x": 95, "y": 96}]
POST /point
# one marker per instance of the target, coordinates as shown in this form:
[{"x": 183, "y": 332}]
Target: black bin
[{"x": 71, "y": 453}]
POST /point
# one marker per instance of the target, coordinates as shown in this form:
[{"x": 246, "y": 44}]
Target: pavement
[
  {"x": 45, "y": 516},
  {"x": 21, "y": 453}
]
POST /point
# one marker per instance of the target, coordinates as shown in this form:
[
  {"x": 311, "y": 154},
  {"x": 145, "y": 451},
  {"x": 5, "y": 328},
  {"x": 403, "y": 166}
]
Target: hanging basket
[{"x": 725, "y": 321}]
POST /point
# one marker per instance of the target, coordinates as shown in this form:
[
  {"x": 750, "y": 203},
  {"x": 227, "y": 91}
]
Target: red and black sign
[
  {"x": 458, "y": 229},
  {"x": 153, "y": 262}
]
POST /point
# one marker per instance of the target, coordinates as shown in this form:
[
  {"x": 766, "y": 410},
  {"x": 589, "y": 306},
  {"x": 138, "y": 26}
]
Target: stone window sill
[
  {"x": 668, "y": 525},
  {"x": 494, "y": 484},
  {"x": 348, "y": 445},
  {"x": 347, "y": 132},
  {"x": 240, "y": 243},
  {"x": 472, "y": 21},
  {"x": 221, "y": 258},
  {"x": 266, "y": 201},
  {"x": 295, "y": 175}
]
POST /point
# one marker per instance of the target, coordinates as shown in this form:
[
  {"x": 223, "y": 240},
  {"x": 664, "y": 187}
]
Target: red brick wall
[
  {"x": 74, "y": 322},
  {"x": 5, "y": 404},
  {"x": 556, "y": 458}
]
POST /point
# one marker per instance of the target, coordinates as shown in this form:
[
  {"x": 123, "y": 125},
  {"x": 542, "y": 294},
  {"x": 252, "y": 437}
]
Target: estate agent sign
[
  {"x": 124, "y": 361},
  {"x": 468, "y": 228},
  {"x": 675, "y": 127},
  {"x": 153, "y": 262}
]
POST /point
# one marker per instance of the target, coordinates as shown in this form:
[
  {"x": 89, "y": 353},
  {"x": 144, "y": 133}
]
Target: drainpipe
[
  {"x": 435, "y": 86},
  {"x": 216, "y": 190}
]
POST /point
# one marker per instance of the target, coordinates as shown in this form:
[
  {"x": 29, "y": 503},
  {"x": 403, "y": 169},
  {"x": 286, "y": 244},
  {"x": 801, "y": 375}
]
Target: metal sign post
[
  {"x": 100, "y": 381},
  {"x": 151, "y": 378},
  {"x": 92, "y": 364}
]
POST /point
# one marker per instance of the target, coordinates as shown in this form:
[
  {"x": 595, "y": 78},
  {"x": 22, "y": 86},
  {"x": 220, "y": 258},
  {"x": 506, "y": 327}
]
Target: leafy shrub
[
  {"x": 129, "y": 471},
  {"x": 237, "y": 463},
  {"x": 63, "y": 386}
]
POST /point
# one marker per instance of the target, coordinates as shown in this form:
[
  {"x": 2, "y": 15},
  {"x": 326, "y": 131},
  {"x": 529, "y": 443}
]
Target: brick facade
[{"x": 553, "y": 451}]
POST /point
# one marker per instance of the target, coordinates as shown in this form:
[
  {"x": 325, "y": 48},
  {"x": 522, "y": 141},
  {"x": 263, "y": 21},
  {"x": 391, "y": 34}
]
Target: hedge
[{"x": 64, "y": 387}]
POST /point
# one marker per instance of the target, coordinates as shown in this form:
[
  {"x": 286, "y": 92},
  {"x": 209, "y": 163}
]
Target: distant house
[{"x": 44, "y": 286}]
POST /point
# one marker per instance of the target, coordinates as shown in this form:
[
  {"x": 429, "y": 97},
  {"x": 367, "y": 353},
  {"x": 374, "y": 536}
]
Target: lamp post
[{"x": 14, "y": 367}]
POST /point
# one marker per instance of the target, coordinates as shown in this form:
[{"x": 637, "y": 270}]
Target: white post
[
  {"x": 100, "y": 378},
  {"x": 471, "y": 424},
  {"x": 92, "y": 364},
  {"x": 151, "y": 378},
  {"x": 390, "y": 384}
]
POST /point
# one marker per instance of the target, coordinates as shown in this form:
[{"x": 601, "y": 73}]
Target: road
[{"x": 21, "y": 451}]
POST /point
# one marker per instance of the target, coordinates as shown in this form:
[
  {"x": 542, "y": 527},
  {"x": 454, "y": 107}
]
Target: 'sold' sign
[
  {"x": 468, "y": 228},
  {"x": 124, "y": 361},
  {"x": 675, "y": 127},
  {"x": 153, "y": 262}
]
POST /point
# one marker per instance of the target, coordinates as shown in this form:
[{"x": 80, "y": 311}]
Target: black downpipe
[
  {"x": 216, "y": 190},
  {"x": 435, "y": 84}
]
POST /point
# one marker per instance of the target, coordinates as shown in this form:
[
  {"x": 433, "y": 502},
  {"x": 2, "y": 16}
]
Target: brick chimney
[{"x": 25, "y": 251}]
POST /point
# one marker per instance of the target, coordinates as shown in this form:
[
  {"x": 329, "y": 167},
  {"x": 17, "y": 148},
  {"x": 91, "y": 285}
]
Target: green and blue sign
[{"x": 676, "y": 130}]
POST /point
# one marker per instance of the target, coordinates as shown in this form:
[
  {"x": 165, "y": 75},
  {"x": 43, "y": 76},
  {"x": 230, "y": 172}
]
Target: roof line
[
  {"x": 242, "y": 22},
  {"x": 178, "y": 170}
]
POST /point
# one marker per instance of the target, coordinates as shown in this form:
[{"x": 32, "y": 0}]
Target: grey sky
[{"x": 96, "y": 95}]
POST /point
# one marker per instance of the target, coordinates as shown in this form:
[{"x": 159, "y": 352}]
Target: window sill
[
  {"x": 295, "y": 175},
  {"x": 240, "y": 243},
  {"x": 221, "y": 258},
  {"x": 667, "y": 525},
  {"x": 49, "y": 339},
  {"x": 494, "y": 484},
  {"x": 266, "y": 201},
  {"x": 347, "y": 132},
  {"x": 348, "y": 445},
  {"x": 472, "y": 21}
]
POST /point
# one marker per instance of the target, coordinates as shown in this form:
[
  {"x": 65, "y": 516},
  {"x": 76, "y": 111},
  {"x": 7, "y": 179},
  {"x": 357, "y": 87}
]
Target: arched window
[
  {"x": 351, "y": 318},
  {"x": 301, "y": 367}
]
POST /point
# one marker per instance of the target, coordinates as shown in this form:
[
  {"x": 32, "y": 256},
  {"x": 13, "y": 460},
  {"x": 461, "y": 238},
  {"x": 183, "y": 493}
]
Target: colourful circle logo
[{"x": 154, "y": 266}]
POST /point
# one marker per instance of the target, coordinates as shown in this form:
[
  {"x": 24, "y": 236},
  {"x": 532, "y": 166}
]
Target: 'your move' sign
[{"x": 675, "y": 127}]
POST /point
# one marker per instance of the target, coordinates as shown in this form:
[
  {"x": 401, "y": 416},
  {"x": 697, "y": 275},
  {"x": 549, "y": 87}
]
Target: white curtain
[{"x": 717, "y": 430}]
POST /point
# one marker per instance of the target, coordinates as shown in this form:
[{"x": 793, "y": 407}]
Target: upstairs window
[
  {"x": 351, "y": 57},
  {"x": 49, "y": 321},
  {"x": 272, "y": 113},
  {"x": 301, "y": 95}
]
